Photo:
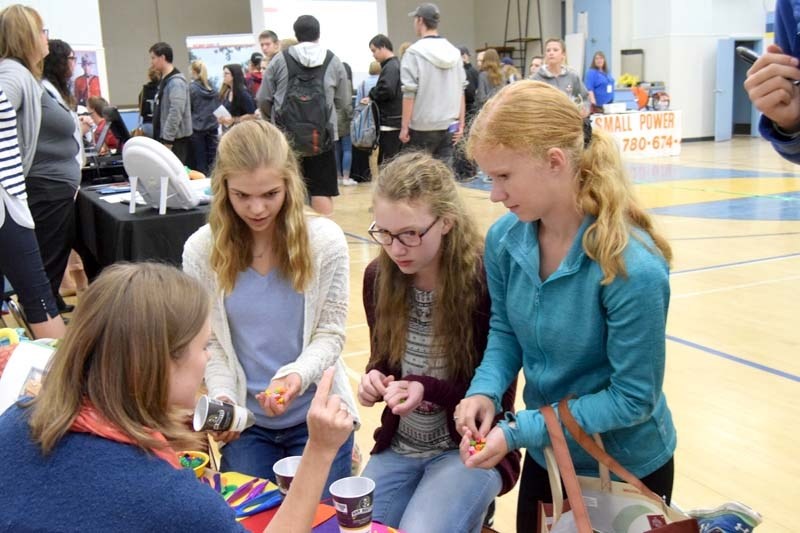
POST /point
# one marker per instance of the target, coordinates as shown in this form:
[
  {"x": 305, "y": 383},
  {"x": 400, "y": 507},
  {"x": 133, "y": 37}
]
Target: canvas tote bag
[{"x": 599, "y": 504}]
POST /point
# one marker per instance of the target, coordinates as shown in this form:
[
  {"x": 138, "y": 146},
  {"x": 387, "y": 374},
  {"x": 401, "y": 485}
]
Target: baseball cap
[
  {"x": 256, "y": 58},
  {"x": 464, "y": 50},
  {"x": 426, "y": 11},
  {"x": 507, "y": 61}
]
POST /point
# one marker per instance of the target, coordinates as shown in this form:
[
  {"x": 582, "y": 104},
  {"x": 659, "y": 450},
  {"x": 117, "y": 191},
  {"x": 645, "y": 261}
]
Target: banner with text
[{"x": 644, "y": 134}]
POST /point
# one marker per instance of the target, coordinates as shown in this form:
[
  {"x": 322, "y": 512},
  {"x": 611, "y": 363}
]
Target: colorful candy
[
  {"x": 476, "y": 446},
  {"x": 277, "y": 394},
  {"x": 190, "y": 461}
]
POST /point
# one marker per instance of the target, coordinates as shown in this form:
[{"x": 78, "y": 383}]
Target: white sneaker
[{"x": 347, "y": 182}]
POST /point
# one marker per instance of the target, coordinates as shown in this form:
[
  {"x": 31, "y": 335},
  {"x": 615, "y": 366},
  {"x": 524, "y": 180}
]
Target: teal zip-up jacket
[{"x": 570, "y": 335}]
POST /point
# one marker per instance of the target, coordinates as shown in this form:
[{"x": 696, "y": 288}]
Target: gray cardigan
[{"x": 25, "y": 94}]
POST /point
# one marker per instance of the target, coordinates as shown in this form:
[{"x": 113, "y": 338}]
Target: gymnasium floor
[{"x": 732, "y": 213}]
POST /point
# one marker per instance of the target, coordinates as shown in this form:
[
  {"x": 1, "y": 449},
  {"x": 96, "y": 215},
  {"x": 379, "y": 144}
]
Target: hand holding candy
[
  {"x": 279, "y": 395},
  {"x": 486, "y": 452},
  {"x": 373, "y": 387},
  {"x": 403, "y": 396}
]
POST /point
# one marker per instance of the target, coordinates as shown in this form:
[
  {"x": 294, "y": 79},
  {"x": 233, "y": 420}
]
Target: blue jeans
[
  {"x": 257, "y": 449},
  {"x": 439, "y": 492},
  {"x": 204, "y": 144},
  {"x": 344, "y": 155}
]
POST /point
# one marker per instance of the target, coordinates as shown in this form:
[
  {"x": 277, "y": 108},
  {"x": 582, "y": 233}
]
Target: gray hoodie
[
  {"x": 204, "y": 102},
  {"x": 175, "y": 111},
  {"x": 567, "y": 80},
  {"x": 432, "y": 74},
  {"x": 338, "y": 90}
]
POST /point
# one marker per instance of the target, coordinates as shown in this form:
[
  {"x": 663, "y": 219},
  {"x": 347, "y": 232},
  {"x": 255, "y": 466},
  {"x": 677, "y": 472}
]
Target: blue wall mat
[{"x": 599, "y": 38}]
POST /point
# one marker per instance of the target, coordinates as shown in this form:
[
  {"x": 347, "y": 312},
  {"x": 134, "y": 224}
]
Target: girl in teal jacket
[{"x": 579, "y": 283}]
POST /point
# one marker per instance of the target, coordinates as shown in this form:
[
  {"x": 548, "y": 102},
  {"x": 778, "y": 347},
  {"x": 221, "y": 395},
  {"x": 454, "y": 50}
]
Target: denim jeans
[
  {"x": 257, "y": 449},
  {"x": 344, "y": 156},
  {"x": 439, "y": 492},
  {"x": 204, "y": 144}
]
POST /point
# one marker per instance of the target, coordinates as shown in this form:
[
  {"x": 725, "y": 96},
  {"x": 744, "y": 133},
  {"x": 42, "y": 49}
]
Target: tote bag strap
[
  {"x": 567, "y": 470},
  {"x": 601, "y": 456}
]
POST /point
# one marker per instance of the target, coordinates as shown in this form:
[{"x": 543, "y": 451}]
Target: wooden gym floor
[{"x": 732, "y": 213}]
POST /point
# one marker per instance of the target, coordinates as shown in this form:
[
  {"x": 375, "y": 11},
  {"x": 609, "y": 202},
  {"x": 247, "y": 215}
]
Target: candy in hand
[
  {"x": 277, "y": 394},
  {"x": 476, "y": 446}
]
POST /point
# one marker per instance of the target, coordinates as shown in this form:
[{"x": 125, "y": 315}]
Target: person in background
[
  {"x": 270, "y": 45},
  {"x": 23, "y": 46},
  {"x": 254, "y": 75},
  {"x": 536, "y": 64},
  {"x": 55, "y": 175},
  {"x": 491, "y": 78},
  {"x": 343, "y": 147},
  {"x": 95, "y": 106},
  {"x": 235, "y": 97},
  {"x": 402, "y": 50},
  {"x": 279, "y": 278},
  {"x": 579, "y": 283},
  {"x": 555, "y": 73},
  {"x": 433, "y": 81},
  {"x": 427, "y": 309},
  {"x": 769, "y": 84},
  {"x": 510, "y": 72},
  {"x": 58, "y": 68},
  {"x": 470, "y": 91},
  {"x": 172, "y": 114},
  {"x": 147, "y": 97},
  {"x": 599, "y": 83},
  {"x": 479, "y": 59},
  {"x": 389, "y": 97},
  {"x": 204, "y": 124},
  {"x": 111, "y": 411}
]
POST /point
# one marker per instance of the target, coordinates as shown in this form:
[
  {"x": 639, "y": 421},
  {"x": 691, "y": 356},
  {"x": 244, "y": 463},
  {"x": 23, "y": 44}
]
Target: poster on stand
[
  {"x": 86, "y": 78},
  {"x": 216, "y": 51},
  {"x": 643, "y": 134}
]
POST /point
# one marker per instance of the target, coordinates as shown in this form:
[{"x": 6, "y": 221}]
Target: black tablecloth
[{"x": 107, "y": 233}]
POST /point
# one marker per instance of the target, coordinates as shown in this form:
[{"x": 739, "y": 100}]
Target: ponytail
[{"x": 606, "y": 193}]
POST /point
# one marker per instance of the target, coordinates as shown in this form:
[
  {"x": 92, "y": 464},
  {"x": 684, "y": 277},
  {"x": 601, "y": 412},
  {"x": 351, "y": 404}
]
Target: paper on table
[
  {"x": 123, "y": 197},
  {"x": 23, "y": 373},
  {"x": 222, "y": 112}
]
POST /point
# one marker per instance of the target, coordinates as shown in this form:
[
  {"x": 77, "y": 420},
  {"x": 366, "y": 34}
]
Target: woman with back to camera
[
  {"x": 98, "y": 447},
  {"x": 279, "y": 278},
  {"x": 579, "y": 282},
  {"x": 23, "y": 46},
  {"x": 235, "y": 97},
  {"x": 491, "y": 78},
  {"x": 204, "y": 123}
]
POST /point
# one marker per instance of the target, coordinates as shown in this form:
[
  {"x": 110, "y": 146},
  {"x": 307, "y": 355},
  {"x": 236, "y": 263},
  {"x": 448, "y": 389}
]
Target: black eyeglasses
[{"x": 408, "y": 238}]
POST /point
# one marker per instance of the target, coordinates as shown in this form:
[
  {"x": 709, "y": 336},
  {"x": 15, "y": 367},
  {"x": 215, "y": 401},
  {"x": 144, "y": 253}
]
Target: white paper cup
[
  {"x": 352, "y": 498},
  {"x": 284, "y": 470}
]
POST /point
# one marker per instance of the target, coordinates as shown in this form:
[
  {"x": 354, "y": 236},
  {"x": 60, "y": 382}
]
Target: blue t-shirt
[
  {"x": 89, "y": 483},
  {"x": 601, "y": 84},
  {"x": 265, "y": 315}
]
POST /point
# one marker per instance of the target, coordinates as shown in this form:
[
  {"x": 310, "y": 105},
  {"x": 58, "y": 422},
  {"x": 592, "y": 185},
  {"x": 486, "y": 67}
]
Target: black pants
[
  {"x": 204, "y": 146},
  {"x": 52, "y": 204},
  {"x": 359, "y": 168},
  {"x": 535, "y": 487},
  {"x": 439, "y": 143},
  {"x": 21, "y": 262},
  {"x": 388, "y": 145},
  {"x": 183, "y": 149}
]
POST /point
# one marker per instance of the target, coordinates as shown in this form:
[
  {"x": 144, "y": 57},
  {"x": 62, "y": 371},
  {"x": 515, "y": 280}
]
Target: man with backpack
[
  {"x": 302, "y": 91},
  {"x": 388, "y": 96}
]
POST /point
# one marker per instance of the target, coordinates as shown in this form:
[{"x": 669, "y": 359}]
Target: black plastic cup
[{"x": 215, "y": 415}]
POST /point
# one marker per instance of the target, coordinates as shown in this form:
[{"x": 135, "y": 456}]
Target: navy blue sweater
[{"x": 89, "y": 484}]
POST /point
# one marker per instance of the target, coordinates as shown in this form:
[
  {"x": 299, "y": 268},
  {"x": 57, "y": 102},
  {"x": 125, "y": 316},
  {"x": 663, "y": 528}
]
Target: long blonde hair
[
  {"x": 247, "y": 147},
  {"x": 20, "y": 37},
  {"x": 491, "y": 66},
  {"x": 132, "y": 322},
  {"x": 419, "y": 178},
  {"x": 532, "y": 117},
  {"x": 200, "y": 70}
]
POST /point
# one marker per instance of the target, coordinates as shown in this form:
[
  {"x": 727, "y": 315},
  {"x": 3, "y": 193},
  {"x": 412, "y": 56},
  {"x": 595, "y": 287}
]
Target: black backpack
[{"x": 304, "y": 115}]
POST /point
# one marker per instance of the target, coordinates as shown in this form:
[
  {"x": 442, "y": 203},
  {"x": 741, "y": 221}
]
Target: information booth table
[{"x": 643, "y": 133}]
